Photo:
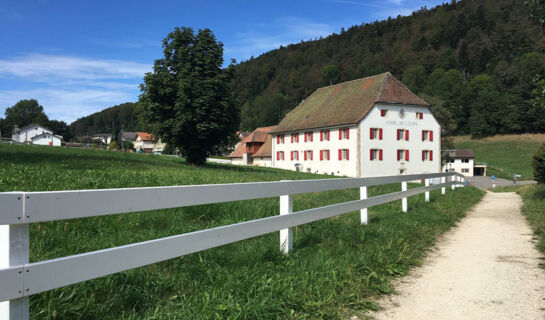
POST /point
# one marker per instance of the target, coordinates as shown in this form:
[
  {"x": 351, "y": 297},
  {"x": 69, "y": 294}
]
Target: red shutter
[
  {"x": 380, "y": 154},
  {"x": 421, "y": 115},
  {"x": 370, "y": 154},
  {"x": 431, "y": 135},
  {"x": 277, "y": 154},
  {"x": 398, "y": 155},
  {"x": 278, "y": 139},
  {"x": 347, "y": 154},
  {"x": 327, "y": 135},
  {"x": 347, "y": 133},
  {"x": 340, "y": 154},
  {"x": 291, "y": 155},
  {"x": 340, "y": 134},
  {"x": 407, "y": 135},
  {"x": 321, "y": 155},
  {"x": 305, "y": 137},
  {"x": 328, "y": 154},
  {"x": 406, "y": 155},
  {"x": 311, "y": 136},
  {"x": 305, "y": 153},
  {"x": 380, "y": 134},
  {"x": 431, "y": 155},
  {"x": 321, "y": 136},
  {"x": 311, "y": 155},
  {"x": 423, "y": 135},
  {"x": 423, "y": 155},
  {"x": 398, "y": 135},
  {"x": 370, "y": 133},
  {"x": 292, "y": 138}
]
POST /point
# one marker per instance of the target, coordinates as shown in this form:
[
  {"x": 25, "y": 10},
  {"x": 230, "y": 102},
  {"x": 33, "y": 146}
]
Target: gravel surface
[
  {"x": 486, "y": 268},
  {"x": 486, "y": 182}
]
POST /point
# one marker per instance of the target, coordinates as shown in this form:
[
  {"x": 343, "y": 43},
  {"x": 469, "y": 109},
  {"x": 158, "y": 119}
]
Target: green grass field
[
  {"x": 336, "y": 270},
  {"x": 503, "y": 158}
]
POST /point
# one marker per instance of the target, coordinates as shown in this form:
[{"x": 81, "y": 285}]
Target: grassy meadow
[
  {"x": 336, "y": 270},
  {"x": 504, "y": 155}
]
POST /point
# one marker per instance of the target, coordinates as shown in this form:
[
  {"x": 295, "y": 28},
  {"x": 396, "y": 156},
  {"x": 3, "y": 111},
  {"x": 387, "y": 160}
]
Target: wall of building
[
  {"x": 237, "y": 161},
  {"x": 262, "y": 162},
  {"x": 459, "y": 166},
  {"x": 27, "y": 134},
  {"x": 46, "y": 139},
  {"x": 333, "y": 165},
  {"x": 389, "y": 143}
]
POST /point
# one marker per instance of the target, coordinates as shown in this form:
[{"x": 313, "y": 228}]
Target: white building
[
  {"x": 373, "y": 126},
  {"x": 463, "y": 161},
  {"x": 144, "y": 142},
  {"x": 254, "y": 149},
  {"x": 36, "y": 134}
]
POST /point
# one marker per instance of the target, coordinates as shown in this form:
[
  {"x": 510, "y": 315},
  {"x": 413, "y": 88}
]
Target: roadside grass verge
[
  {"x": 336, "y": 270},
  {"x": 534, "y": 209},
  {"x": 503, "y": 157}
]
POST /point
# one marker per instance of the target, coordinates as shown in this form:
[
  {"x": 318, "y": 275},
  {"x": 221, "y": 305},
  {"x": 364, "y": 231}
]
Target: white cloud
[{"x": 40, "y": 67}]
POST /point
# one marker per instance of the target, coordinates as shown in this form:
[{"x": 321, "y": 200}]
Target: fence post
[
  {"x": 286, "y": 235},
  {"x": 363, "y": 212},
  {"x": 453, "y": 186},
  {"x": 427, "y": 194},
  {"x": 443, "y": 189},
  {"x": 404, "y": 200},
  {"x": 14, "y": 252}
]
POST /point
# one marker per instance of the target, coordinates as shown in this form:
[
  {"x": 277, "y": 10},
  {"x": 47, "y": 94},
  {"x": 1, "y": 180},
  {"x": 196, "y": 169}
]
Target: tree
[
  {"x": 24, "y": 113},
  {"x": 187, "y": 100},
  {"x": 536, "y": 10},
  {"x": 330, "y": 75},
  {"x": 538, "y": 163},
  {"x": 415, "y": 78}
]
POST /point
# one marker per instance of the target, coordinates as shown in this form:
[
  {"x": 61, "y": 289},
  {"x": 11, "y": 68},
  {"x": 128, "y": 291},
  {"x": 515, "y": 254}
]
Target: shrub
[{"x": 538, "y": 163}]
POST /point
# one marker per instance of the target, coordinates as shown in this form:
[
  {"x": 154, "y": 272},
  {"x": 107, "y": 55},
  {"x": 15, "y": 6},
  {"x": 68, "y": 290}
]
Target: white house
[
  {"x": 47, "y": 139},
  {"x": 373, "y": 126},
  {"x": 144, "y": 142},
  {"x": 254, "y": 149},
  {"x": 463, "y": 161},
  {"x": 36, "y": 134}
]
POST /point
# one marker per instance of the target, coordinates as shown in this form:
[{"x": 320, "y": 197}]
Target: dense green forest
[
  {"x": 479, "y": 60},
  {"x": 110, "y": 120}
]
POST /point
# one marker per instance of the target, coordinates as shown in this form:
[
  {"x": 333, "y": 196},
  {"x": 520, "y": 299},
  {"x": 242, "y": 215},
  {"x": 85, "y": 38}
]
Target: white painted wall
[
  {"x": 27, "y": 134},
  {"x": 46, "y": 139},
  {"x": 237, "y": 161},
  {"x": 334, "y": 165},
  {"x": 262, "y": 162},
  {"x": 458, "y": 165},
  {"x": 389, "y": 143}
]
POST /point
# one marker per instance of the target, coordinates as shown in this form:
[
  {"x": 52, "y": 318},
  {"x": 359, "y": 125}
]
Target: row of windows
[
  {"x": 344, "y": 154},
  {"x": 325, "y": 135},
  {"x": 374, "y": 134},
  {"x": 419, "y": 115},
  {"x": 402, "y": 155}
]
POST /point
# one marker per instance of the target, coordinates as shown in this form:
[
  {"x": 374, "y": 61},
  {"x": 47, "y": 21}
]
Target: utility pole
[{"x": 122, "y": 148}]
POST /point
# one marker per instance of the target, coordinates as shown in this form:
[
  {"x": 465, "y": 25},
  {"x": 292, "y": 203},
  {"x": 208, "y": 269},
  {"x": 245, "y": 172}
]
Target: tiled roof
[
  {"x": 239, "y": 151},
  {"x": 462, "y": 153},
  {"x": 128, "y": 135},
  {"x": 347, "y": 102},
  {"x": 258, "y": 135},
  {"x": 145, "y": 136},
  {"x": 265, "y": 150}
]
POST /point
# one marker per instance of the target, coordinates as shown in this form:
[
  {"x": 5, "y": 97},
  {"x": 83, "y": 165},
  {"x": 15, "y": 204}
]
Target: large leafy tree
[
  {"x": 23, "y": 113},
  {"x": 187, "y": 100}
]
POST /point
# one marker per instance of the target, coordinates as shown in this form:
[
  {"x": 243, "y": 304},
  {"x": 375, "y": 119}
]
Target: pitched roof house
[
  {"x": 36, "y": 134},
  {"x": 254, "y": 149},
  {"x": 365, "y": 127}
]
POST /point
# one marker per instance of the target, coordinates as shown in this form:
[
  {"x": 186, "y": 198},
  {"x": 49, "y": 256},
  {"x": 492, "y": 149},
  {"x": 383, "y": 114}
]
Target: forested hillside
[
  {"x": 479, "y": 62},
  {"x": 107, "y": 121}
]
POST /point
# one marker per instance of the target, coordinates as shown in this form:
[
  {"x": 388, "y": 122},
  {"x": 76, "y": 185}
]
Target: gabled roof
[
  {"x": 258, "y": 135},
  {"x": 265, "y": 150},
  {"x": 145, "y": 136},
  {"x": 461, "y": 153},
  {"x": 347, "y": 102},
  {"x": 33, "y": 125},
  {"x": 45, "y": 133},
  {"x": 129, "y": 135}
]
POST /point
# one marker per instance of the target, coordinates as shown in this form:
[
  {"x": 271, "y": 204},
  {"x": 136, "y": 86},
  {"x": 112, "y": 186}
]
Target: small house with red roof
[
  {"x": 254, "y": 149},
  {"x": 144, "y": 142},
  {"x": 374, "y": 126}
]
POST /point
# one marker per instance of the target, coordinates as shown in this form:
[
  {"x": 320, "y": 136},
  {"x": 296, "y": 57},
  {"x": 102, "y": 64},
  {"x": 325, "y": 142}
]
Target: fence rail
[{"x": 20, "y": 279}]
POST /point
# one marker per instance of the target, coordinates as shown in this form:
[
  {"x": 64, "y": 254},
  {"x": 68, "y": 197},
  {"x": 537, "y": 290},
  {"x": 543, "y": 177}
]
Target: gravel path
[{"x": 486, "y": 268}]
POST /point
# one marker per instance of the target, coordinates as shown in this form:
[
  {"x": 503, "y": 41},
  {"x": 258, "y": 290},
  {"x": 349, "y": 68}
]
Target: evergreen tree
[
  {"x": 186, "y": 101},
  {"x": 538, "y": 163},
  {"x": 330, "y": 75}
]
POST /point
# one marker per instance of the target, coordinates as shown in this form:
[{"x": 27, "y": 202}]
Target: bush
[
  {"x": 113, "y": 146},
  {"x": 538, "y": 163}
]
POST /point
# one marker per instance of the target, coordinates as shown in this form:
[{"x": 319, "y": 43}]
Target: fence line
[{"x": 20, "y": 279}]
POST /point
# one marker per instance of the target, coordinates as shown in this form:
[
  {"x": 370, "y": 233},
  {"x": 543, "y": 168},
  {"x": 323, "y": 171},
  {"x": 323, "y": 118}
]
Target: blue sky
[{"x": 78, "y": 57}]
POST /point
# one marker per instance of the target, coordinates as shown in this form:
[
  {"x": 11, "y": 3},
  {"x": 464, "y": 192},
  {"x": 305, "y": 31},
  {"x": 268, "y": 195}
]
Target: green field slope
[
  {"x": 336, "y": 270},
  {"x": 504, "y": 155}
]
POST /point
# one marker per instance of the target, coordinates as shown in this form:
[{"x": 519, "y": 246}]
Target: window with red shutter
[
  {"x": 380, "y": 134},
  {"x": 327, "y": 135},
  {"x": 383, "y": 112},
  {"x": 398, "y": 134},
  {"x": 431, "y": 135},
  {"x": 277, "y": 155},
  {"x": 311, "y": 155},
  {"x": 371, "y": 133},
  {"x": 423, "y": 135},
  {"x": 421, "y": 115},
  {"x": 423, "y": 155},
  {"x": 347, "y": 134},
  {"x": 278, "y": 139},
  {"x": 347, "y": 154},
  {"x": 431, "y": 155},
  {"x": 406, "y": 135},
  {"x": 321, "y": 155},
  {"x": 398, "y": 155},
  {"x": 340, "y": 134},
  {"x": 380, "y": 154},
  {"x": 370, "y": 154},
  {"x": 321, "y": 136},
  {"x": 340, "y": 154},
  {"x": 406, "y": 155}
]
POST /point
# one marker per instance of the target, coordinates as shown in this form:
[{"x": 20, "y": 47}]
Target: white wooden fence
[{"x": 19, "y": 279}]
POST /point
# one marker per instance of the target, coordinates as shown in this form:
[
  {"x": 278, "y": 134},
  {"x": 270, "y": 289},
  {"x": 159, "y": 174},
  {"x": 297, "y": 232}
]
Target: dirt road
[{"x": 486, "y": 268}]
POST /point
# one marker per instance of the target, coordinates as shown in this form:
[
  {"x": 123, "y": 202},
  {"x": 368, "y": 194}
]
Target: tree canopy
[{"x": 186, "y": 100}]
